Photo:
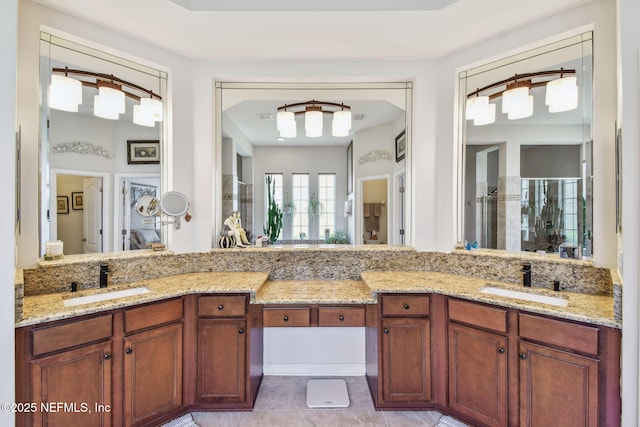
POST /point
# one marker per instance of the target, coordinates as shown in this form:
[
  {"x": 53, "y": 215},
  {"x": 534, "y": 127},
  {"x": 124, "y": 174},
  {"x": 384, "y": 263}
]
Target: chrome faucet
[
  {"x": 526, "y": 274},
  {"x": 104, "y": 275}
]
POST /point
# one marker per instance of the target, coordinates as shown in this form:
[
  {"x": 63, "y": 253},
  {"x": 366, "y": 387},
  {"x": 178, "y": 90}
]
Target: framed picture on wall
[
  {"x": 401, "y": 146},
  {"x": 77, "y": 201},
  {"x": 63, "y": 204},
  {"x": 143, "y": 152}
]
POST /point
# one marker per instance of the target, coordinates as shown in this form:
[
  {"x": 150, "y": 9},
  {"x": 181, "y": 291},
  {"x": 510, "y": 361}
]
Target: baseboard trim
[{"x": 342, "y": 369}]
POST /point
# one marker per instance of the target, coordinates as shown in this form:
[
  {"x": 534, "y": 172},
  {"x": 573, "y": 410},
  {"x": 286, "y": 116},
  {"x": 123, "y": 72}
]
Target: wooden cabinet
[
  {"x": 80, "y": 379},
  {"x": 229, "y": 336},
  {"x": 477, "y": 358},
  {"x": 152, "y": 360},
  {"x": 152, "y": 373},
  {"x": 399, "y": 352}
]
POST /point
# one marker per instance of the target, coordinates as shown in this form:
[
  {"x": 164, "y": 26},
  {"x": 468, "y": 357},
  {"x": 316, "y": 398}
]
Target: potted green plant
[
  {"x": 274, "y": 213},
  {"x": 314, "y": 206}
]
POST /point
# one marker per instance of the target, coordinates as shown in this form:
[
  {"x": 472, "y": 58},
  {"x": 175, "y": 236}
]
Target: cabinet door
[
  {"x": 80, "y": 380},
  {"x": 478, "y": 374},
  {"x": 406, "y": 360},
  {"x": 153, "y": 372},
  {"x": 557, "y": 388},
  {"x": 222, "y": 349}
]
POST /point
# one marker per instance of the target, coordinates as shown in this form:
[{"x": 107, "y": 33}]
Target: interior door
[{"x": 92, "y": 218}]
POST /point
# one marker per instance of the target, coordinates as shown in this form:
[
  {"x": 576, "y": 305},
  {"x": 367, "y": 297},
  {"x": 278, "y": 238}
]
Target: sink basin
[
  {"x": 510, "y": 293},
  {"x": 105, "y": 296}
]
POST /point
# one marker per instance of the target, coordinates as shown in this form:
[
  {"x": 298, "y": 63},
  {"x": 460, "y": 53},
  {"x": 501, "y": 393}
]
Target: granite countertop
[
  {"x": 45, "y": 308},
  {"x": 594, "y": 309},
  {"x": 314, "y": 292}
]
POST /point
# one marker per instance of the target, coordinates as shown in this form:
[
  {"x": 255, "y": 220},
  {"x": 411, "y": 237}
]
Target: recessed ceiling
[
  {"x": 315, "y": 33},
  {"x": 311, "y": 6}
]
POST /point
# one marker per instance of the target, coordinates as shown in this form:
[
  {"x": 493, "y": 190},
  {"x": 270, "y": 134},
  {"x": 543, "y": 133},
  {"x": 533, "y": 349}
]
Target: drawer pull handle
[
  {"x": 107, "y": 356},
  {"x": 285, "y": 318},
  {"x": 501, "y": 350},
  {"x": 129, "y": 350},
  {"x": 241, "y": 331},
  {"x": 220, "y": 307},
  {"x": 341, "y": 318},
  {"x": 523, "y": 356},
  {"x": 406, "y": 307},
  {"x": 386, "y": 331}
]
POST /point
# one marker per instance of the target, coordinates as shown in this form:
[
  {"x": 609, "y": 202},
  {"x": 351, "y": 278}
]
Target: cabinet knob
[
  {"x": 241, "y": 331},
  {"x": 385, "y": 330},
  {"x": 285, "y": 318},
  {"x": 501, "y": 350},
  {"x": 220, "y": 307},
  {"x": 129, "y": 350},
  {"x": 341, "y": 318},
  {"x": 522, "y": 356},
  {"x": 406, "y": 306},
  {"x": 107, "y": 356}
]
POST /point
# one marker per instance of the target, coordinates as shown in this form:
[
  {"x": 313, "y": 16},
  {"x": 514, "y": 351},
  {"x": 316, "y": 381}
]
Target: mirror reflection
[
  {"x": 319, "y": 172},
  {"x": 527, "y": 171},
  {"x": 100, "y": 148}
]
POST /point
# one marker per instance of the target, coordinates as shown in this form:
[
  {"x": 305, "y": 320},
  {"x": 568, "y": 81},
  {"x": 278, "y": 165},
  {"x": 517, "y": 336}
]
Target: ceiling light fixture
[
  {"x": 517, "y": 102},
  {"x": 65, "y": 93},
  {"x": 313, "y": 118}
]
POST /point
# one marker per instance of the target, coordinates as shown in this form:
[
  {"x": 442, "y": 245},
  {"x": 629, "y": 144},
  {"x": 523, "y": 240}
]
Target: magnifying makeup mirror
[
  {"x": 148, "y": 206},
  {"x": 174, "y": 204}
]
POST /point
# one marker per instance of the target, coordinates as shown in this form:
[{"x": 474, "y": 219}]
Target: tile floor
[{"x": 281, "y": 402}]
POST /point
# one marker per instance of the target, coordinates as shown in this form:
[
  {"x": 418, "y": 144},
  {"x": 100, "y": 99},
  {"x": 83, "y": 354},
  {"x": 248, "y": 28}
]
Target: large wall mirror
[
  {"x": 338, "y": 187},
  {"x": 98, "y": 154},
  {"x": 526, "y": 162}
]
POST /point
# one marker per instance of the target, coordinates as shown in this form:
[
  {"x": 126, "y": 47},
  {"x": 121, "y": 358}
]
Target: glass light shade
[
  {"x": 65, "y": 93},
  {"x": 515, "y": 99},
  {"x": 112, "y": 100},
  {"x": 283, "y": 117},
  {"x": 313, "y": 123},
  {"x": 520, "y": 111},
  {"x": 475, "y": 106},
  {"x": 101, "y": 109},
  {"x": 485, "y": 115},
  {"x": 153, "y": 106},
  {"x": 143, "y": 116},
  {"x": 562, "y": 94},
  {"x": 341, "y": 123},
  {"x": 288, "y": 128}
]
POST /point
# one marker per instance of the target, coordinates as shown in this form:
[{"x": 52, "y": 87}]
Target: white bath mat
[
  {"x": 327, "y": 393},
  {"x": 447, "y": 421},
  {"x": 184, "y": 421}
]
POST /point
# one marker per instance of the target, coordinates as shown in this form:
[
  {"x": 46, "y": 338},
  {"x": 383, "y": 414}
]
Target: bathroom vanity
[{"x": 433, "y": 340}]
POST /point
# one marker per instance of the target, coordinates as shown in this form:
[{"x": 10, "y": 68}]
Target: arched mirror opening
[
  {"x": 526, "y": 151},
  {"x": 101, "y": 146},
  {"x": 316, "y": 144}
]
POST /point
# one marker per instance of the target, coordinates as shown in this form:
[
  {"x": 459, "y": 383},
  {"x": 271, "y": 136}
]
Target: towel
[
  {"x": 184, "y": 421},
  {"x": 366, "y": 210},
  {"x": 377, "y": 209}
]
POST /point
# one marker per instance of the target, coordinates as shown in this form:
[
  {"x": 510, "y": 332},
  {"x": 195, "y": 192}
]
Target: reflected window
[
  {"x": 327, "y": 198},
  {"x": 300, "y": 216}
]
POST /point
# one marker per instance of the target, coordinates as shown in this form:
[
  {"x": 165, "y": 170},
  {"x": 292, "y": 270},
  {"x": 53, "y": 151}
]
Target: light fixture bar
[
  {"x": 519, "y": 77},
  {"x": 109, "y": 78},
  {"x": 314, "y": 111}
]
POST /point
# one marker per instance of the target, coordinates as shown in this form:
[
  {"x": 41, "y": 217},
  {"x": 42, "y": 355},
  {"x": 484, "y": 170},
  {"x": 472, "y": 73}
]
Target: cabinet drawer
[
  {"x": 59, "y": 337},
  {"x": 274, "y": 317},
  {"x": 560, "y": 333},
  {"x": 152, "y": 315},
  {"x": 340, "y": 316},
  {"x": 405, "y": 305},
  {"x": 222, "y": 306},
  {"x": 478, "y": 315}
]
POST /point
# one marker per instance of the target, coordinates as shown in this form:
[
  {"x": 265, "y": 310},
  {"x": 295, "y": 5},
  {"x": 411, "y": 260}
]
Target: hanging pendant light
[
  {"x": 65, "y": 93},
  {"x": 341, "y": 123},
  {"x": 485, "y": 115},
  {"x": 109, "y": 102},
  {"x": 515, "y": 99},
  {"x": 313, "y": 122},
  {"x": 562, "y": 94},
  {"x": 476, "y": 105},
  {"x": 153, "y": 106},
  {"x": 289, "y": 128},
  {"x": 143, "y": 116}
]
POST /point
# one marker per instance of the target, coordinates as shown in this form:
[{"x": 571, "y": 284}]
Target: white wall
[{"x": 8, "y": 47}]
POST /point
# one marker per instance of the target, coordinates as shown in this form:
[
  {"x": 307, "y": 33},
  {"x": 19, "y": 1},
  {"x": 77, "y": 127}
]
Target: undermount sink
[
  {"x": 106, "y": 296},
  {"x": 510, "y": 293}
]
